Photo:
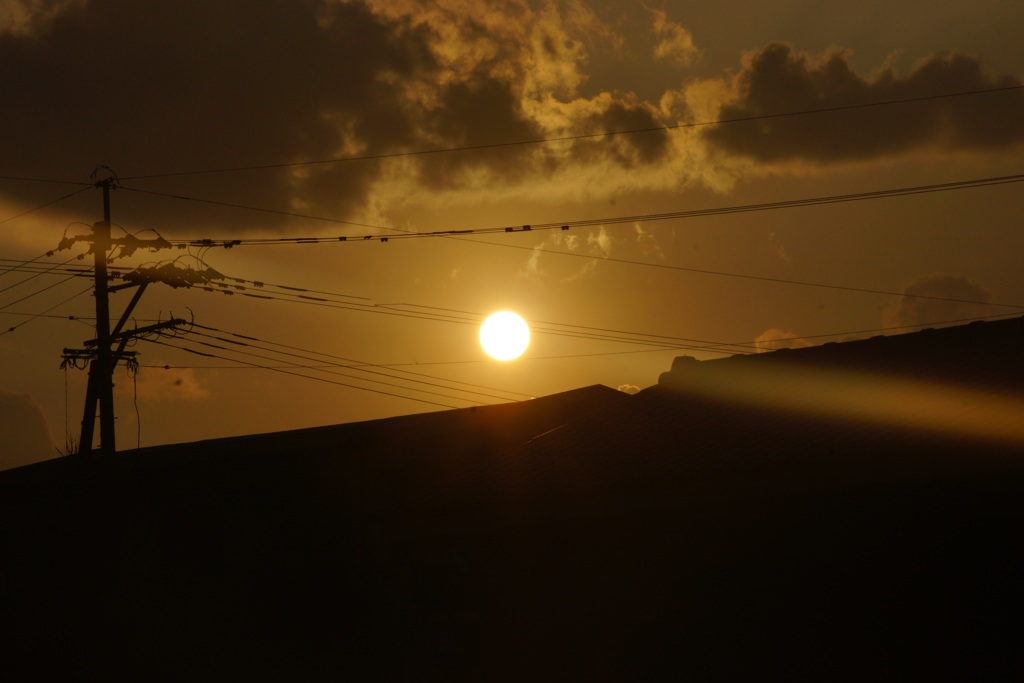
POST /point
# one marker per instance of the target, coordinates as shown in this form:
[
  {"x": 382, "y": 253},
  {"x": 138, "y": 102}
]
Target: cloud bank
[
  {"x": 157, "y": 88},
  {"x": 779, "y": 79}
]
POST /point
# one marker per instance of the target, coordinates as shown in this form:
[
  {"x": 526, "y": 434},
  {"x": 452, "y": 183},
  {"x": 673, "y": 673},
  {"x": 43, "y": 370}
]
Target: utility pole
[
  {"x": 99, "y": 352},
  {"x": 100, "y": 388}
]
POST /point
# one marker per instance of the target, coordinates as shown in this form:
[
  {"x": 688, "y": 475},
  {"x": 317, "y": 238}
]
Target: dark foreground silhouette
[{"x": 848, "y": 512}]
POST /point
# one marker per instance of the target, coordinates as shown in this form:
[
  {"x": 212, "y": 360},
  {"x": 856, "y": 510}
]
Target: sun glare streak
[{"x": 930, "y": 406}]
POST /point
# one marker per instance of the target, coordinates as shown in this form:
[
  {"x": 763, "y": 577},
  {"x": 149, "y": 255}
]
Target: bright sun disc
[{"x": 504, "y": 336}]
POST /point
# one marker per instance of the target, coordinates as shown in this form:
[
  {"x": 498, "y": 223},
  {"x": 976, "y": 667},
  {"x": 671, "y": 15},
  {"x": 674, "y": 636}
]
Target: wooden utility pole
[
  {"x": 100, "y": 388},
  {"x": 99, "y": 352}
]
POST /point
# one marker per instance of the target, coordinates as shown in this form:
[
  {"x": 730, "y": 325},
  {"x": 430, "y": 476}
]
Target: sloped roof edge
[{"x": 977, "y": 350}]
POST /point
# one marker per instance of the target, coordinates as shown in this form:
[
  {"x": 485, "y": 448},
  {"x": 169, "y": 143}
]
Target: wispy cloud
[
  {"x": 155, "y": 384},
  {"x": 952, "y": 294},
  {"x": 674, "y": 42},
  {"x": 776, "y": 338},
  {"x": 648, "y": 242}
]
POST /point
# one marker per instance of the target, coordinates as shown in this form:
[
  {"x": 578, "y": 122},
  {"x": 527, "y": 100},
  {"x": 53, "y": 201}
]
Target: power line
[
  {"x": 244, "y": 207},
  {"x": 38, "y": 292},
  {"x": 120, "y": 271},
  {"x": 461, "y": 235},
  {"x": 713, "y": 348},
  {"x": 330, "y": 372},
  {"x": 42, "y": 314},
  {"x": 398, "y": 233},
  {"x": 293, "y": 294},
  {"x": 799, "y": 283},
  {"x": 663, "y": 342},
  {"x": 37, "y": 273},
  {"x": 718, "y": 347},
  {"x": 585, "y": 332},
  {"x": 44, "y": 205},
  {"x": 72, "y": 318},
  {"x": 352, "y": 363},
  {"x": 761, "y": 278},
  {"x": 47, "y": 180},
  {"x": 472, "y": 319},
  {"x": 340, "y": 366},
  {"x": 580, "y": 136},
  {"x": 23, "y": 266},
  {"x": 298, "y": 374}
]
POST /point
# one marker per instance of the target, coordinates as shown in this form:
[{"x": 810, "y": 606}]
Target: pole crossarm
[
  {"x": 71, "y": 357},
  {"x": 140, "y": 331}
]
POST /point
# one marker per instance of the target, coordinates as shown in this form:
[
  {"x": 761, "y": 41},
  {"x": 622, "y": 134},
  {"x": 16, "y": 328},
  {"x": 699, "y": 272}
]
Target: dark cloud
[
  {"x": 161, "y": 87},
  {"x": 625, "y": 151},
  {"x": 951, "y": 301},
  {"x": 641, "y": 148},
  {"x": 158, "y": 88},
  {"x": 26, "y": 438},
  {"x": 779, "y": 79},
  {"x": 483, "y": 111}
]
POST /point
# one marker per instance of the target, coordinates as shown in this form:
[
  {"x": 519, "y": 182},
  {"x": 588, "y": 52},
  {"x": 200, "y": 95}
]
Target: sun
[{"x": 504, "y": 336}]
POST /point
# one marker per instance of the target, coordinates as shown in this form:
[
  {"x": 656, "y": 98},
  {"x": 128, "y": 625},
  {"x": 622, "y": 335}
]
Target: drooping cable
[
  {"x": 579, "y": 136},
  {"x": 400, "y": 234},
  {"x": 300, "y": 366},
  {"x": 298, "y": 374},
  {"x": 45, "y": 204},
  {"x": 36, "y": 316},
  {"x": 352, "y": 364}
]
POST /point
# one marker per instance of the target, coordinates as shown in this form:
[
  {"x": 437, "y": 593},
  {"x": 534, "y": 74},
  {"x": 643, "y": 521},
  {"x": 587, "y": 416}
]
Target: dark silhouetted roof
[{"x": 843, "y": 512}]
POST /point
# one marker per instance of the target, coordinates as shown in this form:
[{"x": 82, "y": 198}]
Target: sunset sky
[{"x": 235, "y": 120}]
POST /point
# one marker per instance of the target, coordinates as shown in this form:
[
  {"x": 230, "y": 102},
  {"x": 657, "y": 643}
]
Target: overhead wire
[
  {"x": 293, "y": 294},
  {"x": 473, "y": 318},
  {"x": 71, "y": 318},
  {"x": 761, "y": 278},
  {"x": 43, "y": 313},
  {"x": 44, "y": 205},
  {"x": 352, "y": 363},
  {"x": 399, "y": 234},
  {"x": 721, "y": 347},
  {"x": 462, "y": 235},
  {"x": 581, "y": 331},
  {"x": 20, "y": 265},
  {"x": 586, "y": 332},
  {"x": 37, "y": 273},
  {"x": 300, "y": 366},
  {"x": 469, "y": 318},
  {"x": 578, "y": 136},
  {"x": 37, "y": 292},
  {"x": 638, "y": 218},
  {"x": 299, "y": 374},
  {"x": 232, "y": 205},
  {"x": 714, "y": 350},
  {"x": 336, "y": 366},
  {"x": 53, "y": 181}
]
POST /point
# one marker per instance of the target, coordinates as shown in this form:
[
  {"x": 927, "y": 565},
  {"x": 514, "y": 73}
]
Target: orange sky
[{"x": 163, "y": 93}]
